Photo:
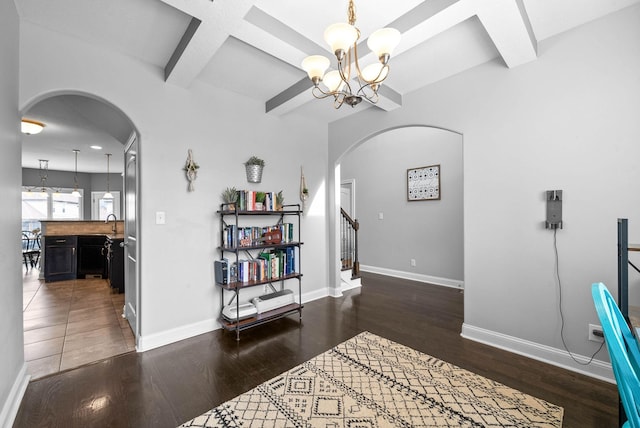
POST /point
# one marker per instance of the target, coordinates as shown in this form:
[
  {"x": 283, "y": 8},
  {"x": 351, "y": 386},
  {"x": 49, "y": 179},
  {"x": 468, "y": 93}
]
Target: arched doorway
[
  {"x": 71, "y": 323},
  {"x": 418, "y": 240}
]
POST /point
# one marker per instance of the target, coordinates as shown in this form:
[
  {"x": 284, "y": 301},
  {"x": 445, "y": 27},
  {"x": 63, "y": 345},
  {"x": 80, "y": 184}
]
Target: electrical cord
[{"x": 555, "y": 247}]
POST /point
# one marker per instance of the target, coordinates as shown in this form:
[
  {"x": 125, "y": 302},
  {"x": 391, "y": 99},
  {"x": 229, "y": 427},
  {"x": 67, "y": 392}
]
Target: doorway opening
[{"x": 80, "y": 320}]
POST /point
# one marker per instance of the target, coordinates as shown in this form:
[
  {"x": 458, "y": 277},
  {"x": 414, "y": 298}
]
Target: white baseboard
[
  {"x": 315, "y": 295},
  {"x": 177, "y": 334},
  {"x": 557, "y": 357},
  {"x": 454, "y": 283},
  {"x": 12, "y": 404}
]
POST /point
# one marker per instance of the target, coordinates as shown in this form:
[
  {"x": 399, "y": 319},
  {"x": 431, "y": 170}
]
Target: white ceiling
[{"x": 255, "y": 48}]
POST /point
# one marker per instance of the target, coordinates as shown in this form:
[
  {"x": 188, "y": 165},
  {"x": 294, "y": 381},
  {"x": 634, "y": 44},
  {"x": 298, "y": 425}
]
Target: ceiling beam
[
  {"x": 509, "y": 29},
  {"x": 212, "y": 23}
]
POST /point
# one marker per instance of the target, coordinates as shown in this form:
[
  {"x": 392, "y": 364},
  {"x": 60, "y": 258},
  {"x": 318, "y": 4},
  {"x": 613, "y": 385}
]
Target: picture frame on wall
[{"x": 423, "y": 183}]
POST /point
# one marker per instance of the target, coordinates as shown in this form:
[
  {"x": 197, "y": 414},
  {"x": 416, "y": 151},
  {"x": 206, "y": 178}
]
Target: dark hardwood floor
[{"x": 167, "y": 386}]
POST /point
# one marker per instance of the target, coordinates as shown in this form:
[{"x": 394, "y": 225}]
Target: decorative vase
[{"x": 254, "y": 173}]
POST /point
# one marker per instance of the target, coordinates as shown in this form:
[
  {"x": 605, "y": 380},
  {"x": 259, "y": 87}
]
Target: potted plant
[
  {"x": 260, "y": 198},
  {"x": 230, "y": 197},
  {"x": 254, "y": 168},
  {"x": 279, "y": 200}
]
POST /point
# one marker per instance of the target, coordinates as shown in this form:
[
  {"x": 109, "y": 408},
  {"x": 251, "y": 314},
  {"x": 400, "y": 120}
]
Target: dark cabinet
[
  {"x": 60, "y": 261},
  {"x": 115, "y": 264},
  {"x": 92, "y": 259}
]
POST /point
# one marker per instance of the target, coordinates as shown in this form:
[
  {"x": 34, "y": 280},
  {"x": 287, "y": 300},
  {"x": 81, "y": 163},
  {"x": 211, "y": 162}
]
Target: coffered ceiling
[{"x": 255, "y": 47}]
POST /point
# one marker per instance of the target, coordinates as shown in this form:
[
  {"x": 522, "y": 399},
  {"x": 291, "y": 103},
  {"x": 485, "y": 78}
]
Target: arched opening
[
  {"x": 77, "y": 319},
  {"x": 418, "y": 239}
]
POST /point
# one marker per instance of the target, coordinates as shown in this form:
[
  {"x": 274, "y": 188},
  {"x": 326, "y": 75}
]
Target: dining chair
[
  {"x": 30, "y": 249},
  {"x": 623, "y": 352}
]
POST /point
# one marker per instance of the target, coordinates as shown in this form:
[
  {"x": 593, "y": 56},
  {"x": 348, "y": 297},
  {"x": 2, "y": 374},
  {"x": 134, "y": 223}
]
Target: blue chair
[{"x": 623, "y": 351}]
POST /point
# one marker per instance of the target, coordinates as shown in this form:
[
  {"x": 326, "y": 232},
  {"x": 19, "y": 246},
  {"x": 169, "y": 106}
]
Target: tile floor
[{"x": 71, "y": 323}]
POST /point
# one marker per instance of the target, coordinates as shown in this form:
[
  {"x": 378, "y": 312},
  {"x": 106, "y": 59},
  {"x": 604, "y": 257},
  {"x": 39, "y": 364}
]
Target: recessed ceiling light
[{"x": 96, "y": 147}]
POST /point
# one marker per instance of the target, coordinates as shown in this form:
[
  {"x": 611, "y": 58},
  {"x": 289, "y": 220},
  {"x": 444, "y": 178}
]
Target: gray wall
[
  {"x": 567, "y": 120},
  {"x": 177, "y": 295},
  {"x": 86, "y": 181},
  {"x": 12, "y": 366},
  {"x": 428, "y": 231}
]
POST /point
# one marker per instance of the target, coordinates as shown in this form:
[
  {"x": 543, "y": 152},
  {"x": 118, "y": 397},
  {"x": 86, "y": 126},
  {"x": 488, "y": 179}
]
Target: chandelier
[{"x": 343, "y": 40}]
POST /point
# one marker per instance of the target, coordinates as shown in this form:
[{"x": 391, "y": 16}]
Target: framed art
[{"x": 423, "y": 184}]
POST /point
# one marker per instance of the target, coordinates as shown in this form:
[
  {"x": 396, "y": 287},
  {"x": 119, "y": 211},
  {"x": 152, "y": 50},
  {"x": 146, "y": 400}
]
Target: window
[
  {"x": 101, "y": 207},
  {"x": 52, "y": 205}
]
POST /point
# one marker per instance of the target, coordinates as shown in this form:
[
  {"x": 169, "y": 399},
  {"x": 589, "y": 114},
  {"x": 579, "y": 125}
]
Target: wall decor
[
  {"x": 191, "y": 169},
  {"x": 423, "y": 183}
]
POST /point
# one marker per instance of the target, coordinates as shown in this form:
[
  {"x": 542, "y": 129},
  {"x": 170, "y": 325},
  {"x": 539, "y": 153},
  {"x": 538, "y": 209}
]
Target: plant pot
[{"x": 254, "y": 173}]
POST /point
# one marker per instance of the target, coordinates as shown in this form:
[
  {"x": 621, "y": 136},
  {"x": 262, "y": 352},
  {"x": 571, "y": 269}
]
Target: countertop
[{"x": 82, "y": 227}]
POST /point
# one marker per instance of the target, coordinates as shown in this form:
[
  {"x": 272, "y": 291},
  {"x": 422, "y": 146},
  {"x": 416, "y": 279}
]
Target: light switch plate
[{"x": 160, "y": 217}]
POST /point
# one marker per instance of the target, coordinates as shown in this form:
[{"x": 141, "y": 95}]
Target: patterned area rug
[{"x": 369, "y": 381}]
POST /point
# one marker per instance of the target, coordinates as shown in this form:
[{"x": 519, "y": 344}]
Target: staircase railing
[{"x": 349, "y": 244}]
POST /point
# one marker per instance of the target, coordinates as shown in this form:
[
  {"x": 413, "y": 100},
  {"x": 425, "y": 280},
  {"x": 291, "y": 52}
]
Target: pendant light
[
  {"x": 44, "y": 172},
  {"x": 108, "y": 195},
  {"x": 75, "y": 192}
]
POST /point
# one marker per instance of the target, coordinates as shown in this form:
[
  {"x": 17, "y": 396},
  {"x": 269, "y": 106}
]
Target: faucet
[{"x": 113, "y": 229}]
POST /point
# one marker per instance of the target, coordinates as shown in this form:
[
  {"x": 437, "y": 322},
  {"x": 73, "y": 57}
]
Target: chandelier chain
[{"x": 352, "y": 13}]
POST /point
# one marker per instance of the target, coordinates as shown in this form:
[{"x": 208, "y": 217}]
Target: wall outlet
[
  {"x": 599, "y": 337},
  {"x": 413, "y": 262}
]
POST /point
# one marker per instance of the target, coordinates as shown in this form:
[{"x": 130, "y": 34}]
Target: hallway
[{"x": 71, "y": 323}]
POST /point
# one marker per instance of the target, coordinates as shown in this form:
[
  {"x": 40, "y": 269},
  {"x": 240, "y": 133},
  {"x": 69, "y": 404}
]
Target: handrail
[{"x": 349, "y": 244}]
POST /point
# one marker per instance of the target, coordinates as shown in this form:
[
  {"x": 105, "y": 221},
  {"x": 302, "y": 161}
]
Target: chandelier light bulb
[
  {"x": 340, "y": 37},
  {"x": 315, "y": 66},
  {"x": 375, "y": 73},
  {"x": 333, "y": 81},
  {"x": 382, "y": 42}
]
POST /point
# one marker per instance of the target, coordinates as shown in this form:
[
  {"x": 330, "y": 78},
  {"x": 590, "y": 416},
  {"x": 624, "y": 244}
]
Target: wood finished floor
[
  {"x": 71, "y": 323},
  {"x": 167, "y": 386}
]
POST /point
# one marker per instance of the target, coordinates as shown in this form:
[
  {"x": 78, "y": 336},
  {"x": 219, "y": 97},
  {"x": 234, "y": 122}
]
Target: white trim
[
  {"x": 557, "y": 357},
  {"x": 315, "y": 295},
  {"x": 177, "y": 334},
  {"x": 162, "y": 338},
  {"x": 12, "y": 404},
  {"x": 454, "y": 283}
]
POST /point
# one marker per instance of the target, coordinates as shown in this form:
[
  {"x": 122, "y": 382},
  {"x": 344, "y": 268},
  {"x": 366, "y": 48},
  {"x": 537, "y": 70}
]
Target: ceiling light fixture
[
  {"x": 31, "y": 127},
  {"x": 108, "y": 195},
  {"x": 75, "y": 192},
  {"x": 343, "y": 39}
]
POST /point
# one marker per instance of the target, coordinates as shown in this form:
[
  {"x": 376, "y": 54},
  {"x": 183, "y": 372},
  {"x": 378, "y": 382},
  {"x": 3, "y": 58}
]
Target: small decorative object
[
  {"x": 423, "y": 184},
  {"x": 279, "y": 200},
  {"x": 260, "y": 198},
  {"x": 273, "y": 236},
  {"x": 230, "y": 197},
  {"x": 191, "y": 169},
  {"x": 254, "y": 168},
  {"x": 304, "y": 190}
]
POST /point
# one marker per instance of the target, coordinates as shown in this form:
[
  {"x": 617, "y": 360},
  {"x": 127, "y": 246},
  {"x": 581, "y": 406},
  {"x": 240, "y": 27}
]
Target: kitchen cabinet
[
  {"x": 92, "y": 258},
  {"x": 60, "y": 258},
  {"x": 115, "y": 264}
]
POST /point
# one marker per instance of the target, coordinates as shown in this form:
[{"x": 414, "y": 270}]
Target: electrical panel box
[{"x": 554, "y": 209}]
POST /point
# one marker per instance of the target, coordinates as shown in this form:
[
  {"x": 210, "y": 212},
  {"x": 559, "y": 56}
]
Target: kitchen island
[{"x": 79, "y": 249}]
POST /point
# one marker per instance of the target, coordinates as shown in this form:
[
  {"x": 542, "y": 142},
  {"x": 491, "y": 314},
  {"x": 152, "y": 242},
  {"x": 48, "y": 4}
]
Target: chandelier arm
[
  {"x": 373, "y": 97},
  {"x": 318, "y": 93}
]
